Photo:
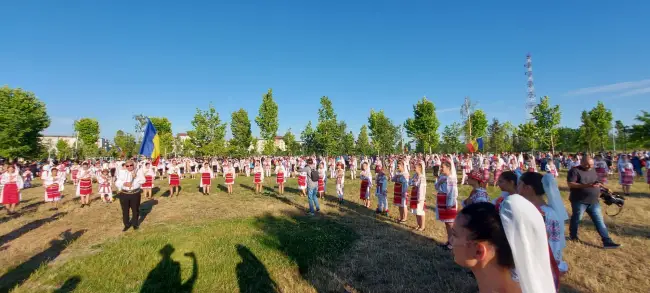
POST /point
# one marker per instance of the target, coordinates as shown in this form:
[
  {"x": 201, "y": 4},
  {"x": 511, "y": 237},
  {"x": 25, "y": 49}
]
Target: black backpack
[{"x": 314, "y": 175}]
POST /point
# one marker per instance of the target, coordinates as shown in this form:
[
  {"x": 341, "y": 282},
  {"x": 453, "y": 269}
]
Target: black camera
[{"x": 611, "y": 198}]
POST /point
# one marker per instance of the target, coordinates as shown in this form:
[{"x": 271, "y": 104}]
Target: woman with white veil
[{"x": 447, "y": 197}]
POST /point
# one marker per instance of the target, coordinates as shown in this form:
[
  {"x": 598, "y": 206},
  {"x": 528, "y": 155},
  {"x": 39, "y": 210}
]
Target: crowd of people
[{"x": 513, "y": 242}]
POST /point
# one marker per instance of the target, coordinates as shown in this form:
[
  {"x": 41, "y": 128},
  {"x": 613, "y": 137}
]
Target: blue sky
[{"x": 112, "y": 59}]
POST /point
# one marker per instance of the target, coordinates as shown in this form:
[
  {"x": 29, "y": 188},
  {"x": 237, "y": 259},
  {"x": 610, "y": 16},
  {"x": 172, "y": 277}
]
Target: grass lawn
[{"x": 266, "y": 243}]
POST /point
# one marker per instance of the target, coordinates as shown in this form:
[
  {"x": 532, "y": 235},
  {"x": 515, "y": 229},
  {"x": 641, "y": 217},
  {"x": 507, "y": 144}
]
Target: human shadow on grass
[
  {"x": 32, "y": 206},
  {"x": 19, "y": 274},
  {"x": 29, "y": 227},
  {"x": 252, "y": 275},
  {"x": 146, "y": 208},
  {"x": 222, "y": 188},
  {"x": 8, "y": 218},
  {"x": 632, "y": 230},
  {"x": 69, "y": 285},
  {"x": 247, "y": 187},
  {"x": 155, "y": 190},
  {"x": 166, "y": 276}
]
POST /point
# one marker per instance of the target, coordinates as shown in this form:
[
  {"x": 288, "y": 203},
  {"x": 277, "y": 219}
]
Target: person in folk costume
[
  {"x": 302, "y": 182},
  {"x": 507, "y": 182},
  {"x": 27, "y": 178},
  {"x": 112, "y": 167},
  {"x": 626, "y": 173},
  {"x": 478, "y": 194},
  {"x": 436, "y": 165},
  {"x": 85, "y": 187},
  {"x": 418, "y": 185},
  {"x": 191, "y": 165},
  {"x": 485, "y": 169},
  {"x": 247, "y": 168},
  {"x": 446, "y": 197},
  {"x": 322, "y": 176},
  {"x": 381, "y": 191},
  {"x": 466, "y": 164},
  {"x": 498, "y": 168},
  {"x": 647, "y": 170},
  {"x": 174, "y": 180},
  {"x": 280, "y": 173},
  {"x": 105, "y": 191},
  {"x": 229, "y": 175},
  {"x": 267, "y": 167},
  {"x": 601, "y": 169},
  {"x": 366, "y": 184},
  {"x": 97, "y": 170},
  {"x": 490, "y": 243},
  {"x": 206, "y": 178},
  {"x": 551, "y": 169},
  {"x": 149, "y": 176},
  {"x": 12, "y": 184},
  {"x": 353, "y": 167},
  {"x": 532, "y": 166},
  {"x": 533, "y": 186},
  {"x": 258, "y": 172},
  {"x": 400, "y": 190},
  {"x": 340, "y": 180},
  {"x": 53, "y": 184},
  {"x": 74, "y": 173}
]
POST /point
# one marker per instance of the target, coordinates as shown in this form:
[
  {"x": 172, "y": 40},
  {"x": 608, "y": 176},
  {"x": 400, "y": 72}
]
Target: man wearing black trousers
[{"x": 128, "y": 183}]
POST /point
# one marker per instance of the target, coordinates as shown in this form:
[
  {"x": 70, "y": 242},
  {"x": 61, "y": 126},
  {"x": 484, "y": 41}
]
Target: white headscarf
[
  {"x": 526, "y": 232},
  {"x": 452, "y": 183},
  {"x": 554, "y": 198}
]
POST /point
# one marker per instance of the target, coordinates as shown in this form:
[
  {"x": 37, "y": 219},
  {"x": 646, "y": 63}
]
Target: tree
[
  {"x": 209, "y": 133},
  {"x": 566, "y": 139},
  {"x": 267, "y": 118},
  {"x": 269, "y": 147},
  {"x": 87, "y": 130},
  {"x": 588, "y": 134},
  {"x": 423, "y": 127},
  {"x": 126, "y": 144},
  {"x": 164, "y": 130},
  {"x": 528, "y": 134},
  {"x": 602, "y": 118},
  {"x": 383, "y": 132},
  {"x": 23, "y": 117},
  {"x": 363, "y": 142},
  {"x": 451, "y": 142},
  {"x": 187, "y": 147},
  {"x": 291, "y": 145},
  {"x": 328, "y": 134},
  {"x": 466, "y": 110},
  {"x": 621, "y": 135},
  {"x": 347, "y": 146},
  {"x": 479, "y": 124},
  {"x": 497, "y": 137},
  {"x": 242, "y": 136},
  {"x": 308, "y": 140},
  {"x": 509, "y": 130},
  {"x": 63, "y": 150},
  {"x": 547, "y": 119},
  {"x": 640, "y": 133}
]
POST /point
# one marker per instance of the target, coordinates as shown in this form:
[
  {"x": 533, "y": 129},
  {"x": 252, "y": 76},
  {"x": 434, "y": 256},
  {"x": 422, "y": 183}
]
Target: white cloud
[
  {"x": 615, "y": 87},
  {"x": 448, "y": 110},
  {"x": 635, "y": 92}
]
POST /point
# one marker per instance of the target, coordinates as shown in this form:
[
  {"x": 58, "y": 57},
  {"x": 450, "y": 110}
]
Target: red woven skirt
[
  {"x": 321, "y": 184},
  {"x": 302, "y": 181},
  {"x": 174, "y": 180},
  {"x": 148, "y": 183},
  {"x": 206, "y": 179},
  {"x": 53, "y": 191},
  {"x": 414, "y": 197},
  {"x": 397, "y": 192},
  {"x": 258, "y": 178},
  {"x": 602, "y": 175},
  {"x": 444, "y": 213},
  {"x": 363, "y": 190},
  {"x": 85, "y": 187},
  {"x": 10, "y": 193},
  {"x": 628, "y": 177},
  {"x": 279, "y": 178}
]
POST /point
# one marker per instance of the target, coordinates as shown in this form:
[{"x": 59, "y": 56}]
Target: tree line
[{"x": 24, "y": 117}]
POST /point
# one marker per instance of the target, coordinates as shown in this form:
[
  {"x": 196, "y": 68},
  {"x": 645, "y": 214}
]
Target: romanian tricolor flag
[{"x": 150, "y": 144}]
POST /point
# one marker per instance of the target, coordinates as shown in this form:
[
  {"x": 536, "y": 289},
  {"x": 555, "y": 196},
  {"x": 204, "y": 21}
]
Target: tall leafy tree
[
  {"x": 621, "y": 136},
  {"x": 479, "y": 124},
  {"x": 126, "y": 143},
  {"x": 602, "y": 118},
  {"x": 547, "y": 120},
  {"x": 588, "y": 133},
  {"x": 423, "y": 127},
  {"x": 497, "y": 137},
  {"x": 509, "y": 130},
  {"x": 291, "y": 145},
  {"x": 566, "y": 139},
  {"x": 451, "y": 142},
  {"x": 528, "y": 134},
  {"x": 384, "y": 133},
  {"x": 267, "y": 118},
  {"x": 327, "y": 133},
  {"x": 640, "y": 133},
  {"x": 88, "y": 132},
  {"x": 308, "y": 139},
  {"x": 363, "y": 142},
  {"x": 140, "y": 124},
  {"x": 63, "y": 150},
  {"x": 347, "y": 146},
  {"x": 22, "y": 118},
  {"x": 164, "y": 130},
  {"x": 209, "y": 132},
  {"x": 242, "y": 136}
]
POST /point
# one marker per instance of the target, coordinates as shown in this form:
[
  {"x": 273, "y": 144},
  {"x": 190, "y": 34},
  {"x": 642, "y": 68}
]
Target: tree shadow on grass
[
  {"x": 631, "y": 230},
  {"x": 10, "y": 217},
  {"x": 252, "y": 275},
  {"x": 19, "y": 274},
  {"x": 29, "y": 227},
  {"x": 69, "y": 285},
  {"x": 166, "y": 276},
  {"x": 291, "y": 189},
  {"x": 146, "y": 208},
  {"x": 32, "y": 206}
]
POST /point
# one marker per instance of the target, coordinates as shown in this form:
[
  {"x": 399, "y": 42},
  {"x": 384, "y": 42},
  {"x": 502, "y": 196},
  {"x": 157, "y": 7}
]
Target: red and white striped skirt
[
  {"x": 397, "y": 193},
  {"x": 10, "y": 194},
  {"x": 105, "y": 188},
  {"x": 258, "y": 178},
  {"x": 414, "y": 197},
  {"x": 302, "y": 181},
  {"x": 85, "y": 187},
  {"x": 206, "y": 179},
  {"x": 627, "y": 177},
  {"x": 52, "y": 192},
  {"x": 602, "y": 175},
  {"x": 486, "y": 174},
  {"x": 174, "y": 180},
  {"x": 445, "y": 214},
  {"x": 279, "y": 178},
  {"x": 230, "y": 179},
  {"x": 321, "y": 184},
  {"x": 497, "y": 174},
  {"x": 148, "y": 182}
]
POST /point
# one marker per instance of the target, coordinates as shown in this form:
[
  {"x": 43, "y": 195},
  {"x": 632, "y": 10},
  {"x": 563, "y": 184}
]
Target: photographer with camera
[{"x": 584, "y": 196}]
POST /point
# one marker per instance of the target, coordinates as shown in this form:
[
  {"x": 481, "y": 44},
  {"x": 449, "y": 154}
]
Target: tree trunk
[{"x": 552, "y": 146}]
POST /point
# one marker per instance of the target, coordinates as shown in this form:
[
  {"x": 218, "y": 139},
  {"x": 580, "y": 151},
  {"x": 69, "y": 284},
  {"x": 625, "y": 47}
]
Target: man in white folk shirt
[{"x": 128, "y": 183}]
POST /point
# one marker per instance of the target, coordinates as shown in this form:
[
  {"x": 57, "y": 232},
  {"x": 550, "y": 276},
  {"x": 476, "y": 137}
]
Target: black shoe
[
  {"x": 136, "y": 227},
  {"x": 83, "y": 205},
  {"x": 318, "y": 210},
  {"x": 126, "y": 228},
  {"x": 610, "y": 245}
]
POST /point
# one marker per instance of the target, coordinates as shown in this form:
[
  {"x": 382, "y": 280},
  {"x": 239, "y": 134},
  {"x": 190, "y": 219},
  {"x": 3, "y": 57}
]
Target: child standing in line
[
  {"x": 340, "y": 180},
  {"x": 105, "y": 191},
  {"x": 382, "y": 196},
  {"x": 366, "y": 183}
]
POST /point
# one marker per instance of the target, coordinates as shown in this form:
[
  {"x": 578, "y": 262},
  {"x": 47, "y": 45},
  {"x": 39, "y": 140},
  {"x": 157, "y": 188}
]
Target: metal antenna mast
[{"x": 530, "y": 100}]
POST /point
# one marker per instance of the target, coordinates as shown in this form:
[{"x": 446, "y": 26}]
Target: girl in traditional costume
[
  {"x": 206, "y": 178},
  {"x": 174, "y": 180},
  {"x": 400, "y": 190},
  {"x": 258, "y": 172},
  {"x": 149, "y": 176},
  {"x": 418, "y": 185},
  {"x": 447, "y": 197},
  {"x": 280, "y": 172},
  {"x": 366, "y": 183},
  {"x": 85, "y": 187},
  {"x": 12, "y": 184},
  {"x": 105, "y": 191},
  {"x": 53, "y": 184}
]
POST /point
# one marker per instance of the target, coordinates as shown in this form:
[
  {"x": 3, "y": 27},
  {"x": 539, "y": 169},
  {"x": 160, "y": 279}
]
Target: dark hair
[
  {"x": 534, "y": 180},
  {"x": 509, "y": 176},
  {"x": 446, "y": 163},
  {"x": 484, "y": 223},
  {"x": 310, "y": 161}
]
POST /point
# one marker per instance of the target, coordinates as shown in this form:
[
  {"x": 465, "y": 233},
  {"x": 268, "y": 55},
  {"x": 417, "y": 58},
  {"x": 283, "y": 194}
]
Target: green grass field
[{"x": 266, "y": 243}]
